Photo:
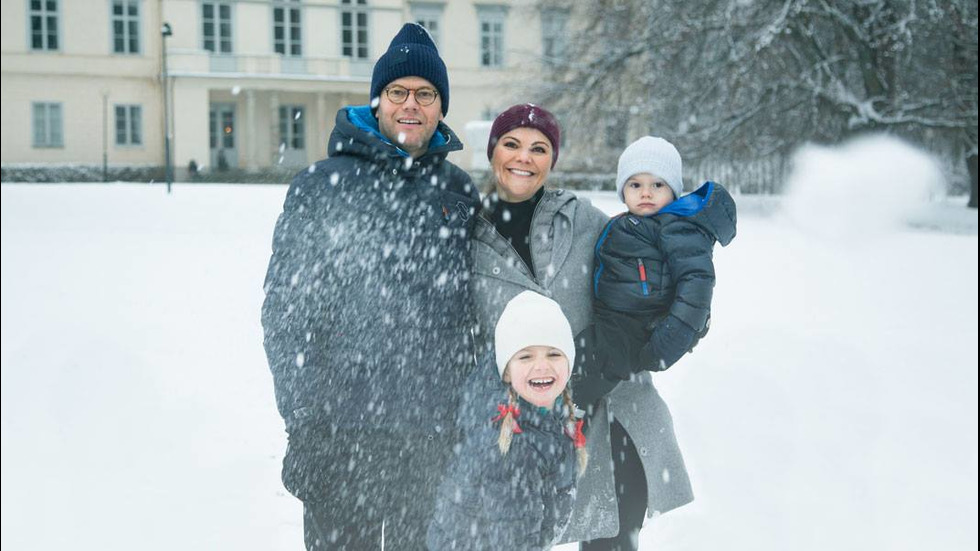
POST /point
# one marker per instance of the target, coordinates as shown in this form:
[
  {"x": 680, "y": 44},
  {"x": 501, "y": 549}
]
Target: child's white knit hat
[
  {"x": 655, "y": 156},
  {"x": 531, "y": 319}
]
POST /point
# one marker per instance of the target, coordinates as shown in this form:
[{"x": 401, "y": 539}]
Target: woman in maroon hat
[{"x": 531, "y": 238}]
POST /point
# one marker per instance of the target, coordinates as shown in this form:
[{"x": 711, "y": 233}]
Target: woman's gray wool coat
[{"x": 563, "y": 233}]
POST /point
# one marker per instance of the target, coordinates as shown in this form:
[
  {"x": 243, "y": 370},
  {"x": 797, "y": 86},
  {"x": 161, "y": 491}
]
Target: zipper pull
[{"x": 643, "y": 276}]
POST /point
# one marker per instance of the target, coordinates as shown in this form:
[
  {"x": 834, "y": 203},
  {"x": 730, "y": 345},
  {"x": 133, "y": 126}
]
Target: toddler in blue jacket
[
  {"x": 512, "y": 483},
  {"x": 654, "y": 273}
]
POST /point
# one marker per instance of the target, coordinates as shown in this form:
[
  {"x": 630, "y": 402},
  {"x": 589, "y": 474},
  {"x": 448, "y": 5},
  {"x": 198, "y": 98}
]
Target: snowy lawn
[{"x": 832, "y": 406}]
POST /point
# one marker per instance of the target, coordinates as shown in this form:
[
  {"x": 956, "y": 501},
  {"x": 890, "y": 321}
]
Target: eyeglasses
[{"x": 399, "y": 94}]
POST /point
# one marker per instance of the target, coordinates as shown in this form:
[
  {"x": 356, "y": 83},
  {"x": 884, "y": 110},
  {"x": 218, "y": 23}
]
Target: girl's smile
[{"x": 538, "y": 374}]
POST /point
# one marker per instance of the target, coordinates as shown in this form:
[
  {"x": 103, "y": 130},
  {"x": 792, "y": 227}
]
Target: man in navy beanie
[{"x": 366, "y": 309}]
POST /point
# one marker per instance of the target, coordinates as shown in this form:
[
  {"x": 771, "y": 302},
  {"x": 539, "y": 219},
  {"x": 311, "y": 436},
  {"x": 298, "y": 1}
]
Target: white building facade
[{"x": 252, "y": 84}]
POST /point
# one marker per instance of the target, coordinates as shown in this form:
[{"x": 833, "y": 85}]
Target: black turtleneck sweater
[{"x": 513, "y": 221}]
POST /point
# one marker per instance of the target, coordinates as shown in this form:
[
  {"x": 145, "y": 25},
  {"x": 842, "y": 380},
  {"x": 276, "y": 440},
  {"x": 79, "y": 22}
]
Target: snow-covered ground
[{"x": 832, "y": 406}]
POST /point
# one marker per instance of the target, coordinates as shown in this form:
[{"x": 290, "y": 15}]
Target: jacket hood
[
  {"x": 711, "y": 207},
  {"x": 356, "y": 132}
]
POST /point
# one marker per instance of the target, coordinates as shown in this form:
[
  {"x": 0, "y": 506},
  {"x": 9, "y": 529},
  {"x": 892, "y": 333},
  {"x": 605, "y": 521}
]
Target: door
[{"x": 224, "y": 147}]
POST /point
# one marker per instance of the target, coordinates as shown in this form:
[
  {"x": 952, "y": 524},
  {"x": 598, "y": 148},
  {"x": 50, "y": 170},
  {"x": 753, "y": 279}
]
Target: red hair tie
[
  {"x": 576, "y": 433},
  {"x": 503, "y": 410}
]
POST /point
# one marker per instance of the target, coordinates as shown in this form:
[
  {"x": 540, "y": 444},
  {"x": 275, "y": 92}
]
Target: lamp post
[
  {"x": 105, "y": 135},
  {"x": 165, "y": 31}
]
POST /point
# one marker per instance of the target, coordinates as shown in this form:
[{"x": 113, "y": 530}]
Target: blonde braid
[
  {"x": 507, "y": 423},
  {"x": 581, "y": 454}
]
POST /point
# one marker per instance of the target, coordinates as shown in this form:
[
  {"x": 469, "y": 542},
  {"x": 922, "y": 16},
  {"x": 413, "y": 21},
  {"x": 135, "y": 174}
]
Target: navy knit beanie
[
  {"x": 530, "y": 116},
  {"x": 411, "y": 54}
]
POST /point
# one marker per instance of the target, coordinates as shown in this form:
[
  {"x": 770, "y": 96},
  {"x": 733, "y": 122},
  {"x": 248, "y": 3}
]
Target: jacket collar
[
  {"x": 356, "y": 132},
  {"x": 553, "y": 201},
  {"x": 555, "y": 209},
  {"x": 532, "y": 415}
]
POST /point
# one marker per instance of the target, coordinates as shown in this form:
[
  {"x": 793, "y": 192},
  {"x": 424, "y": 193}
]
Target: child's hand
[
  {"x": 619, "y": 338},
  {"x": 588, "y": 384},
  {"x": 617, "y": 361},
  {"x": 587, "y": 390},
  {"x": 671, "y": 339}
]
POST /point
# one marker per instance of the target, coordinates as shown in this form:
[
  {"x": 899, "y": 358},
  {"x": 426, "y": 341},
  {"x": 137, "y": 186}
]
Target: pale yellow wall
[
  {"x": 264, "y": 131},
  {"x": 89, "y": 31},
  {"x": 253, "y": 28},
  {"x": 84, "y": 33},
  {"x": 184, "y": 17},
  {"x": 13, "y": 23},
  {"x": 136, "y": 92},
  {"x": 190, "y": 116},
  {"x": 385, "y": 20},
  {"x": 320, "y": 30},
  {"x": 476, "y": 89},
  {"x": 86, "y": 67},
  {"x": 81, "y": 99}
]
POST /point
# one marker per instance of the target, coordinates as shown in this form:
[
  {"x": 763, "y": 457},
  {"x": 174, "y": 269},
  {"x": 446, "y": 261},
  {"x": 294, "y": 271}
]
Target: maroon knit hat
[{"x": 530, "y": 116}]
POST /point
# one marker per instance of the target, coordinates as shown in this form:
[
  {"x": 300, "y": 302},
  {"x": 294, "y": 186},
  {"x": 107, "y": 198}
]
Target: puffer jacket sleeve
[
  {"x": 293, "y": 300},
  {"x": 688, "y": 252}
]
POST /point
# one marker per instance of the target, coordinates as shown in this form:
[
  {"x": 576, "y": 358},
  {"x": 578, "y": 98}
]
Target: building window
[
  {"x": 44, "y": 24},
  {"x": 216, "y": 17},
  {"x": 491, "y": 35},
  {"x": 430, "y": 17},
  {"x": 47, "y": 125},
  {"x": 129, "y": 125},
  {"x": 126, "y": 26},
  {"x": 354, "y": 29},
  {"x": 287, "y": 24},
  {"x": 291, "y": 132},
  {"x": 553, "y": 25}
]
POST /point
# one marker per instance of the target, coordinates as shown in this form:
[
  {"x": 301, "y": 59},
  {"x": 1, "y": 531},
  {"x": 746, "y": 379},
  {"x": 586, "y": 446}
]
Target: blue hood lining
[
  {"x": 691, "y": 203},
  {"x": 362, "y": 117}
]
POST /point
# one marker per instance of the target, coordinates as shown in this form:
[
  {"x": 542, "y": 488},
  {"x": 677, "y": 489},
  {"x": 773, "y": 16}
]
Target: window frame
[
  {"x": 292, "y": 129},
  {"x": 216, "y": 22},
  {"x": 45, "y": 17},
  {"x": 51, "y": 136},
  {"x": 128, "y": 21},
  {"x": 422, "y": 11},
  {"x": 492, "y": 56},
  {"x": 554, "y": 25},
  {"x": 291, "y": 45},
  {"x": 355, "y": 9},
  {"x": 132, "y": 125}
]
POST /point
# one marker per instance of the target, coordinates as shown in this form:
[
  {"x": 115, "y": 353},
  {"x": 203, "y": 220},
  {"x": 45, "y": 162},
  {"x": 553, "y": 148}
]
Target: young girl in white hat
[{"x": 512, "y": 483}]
